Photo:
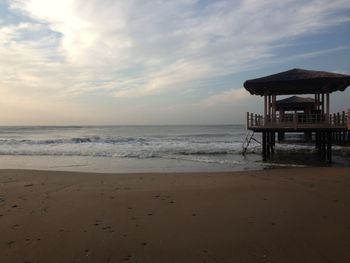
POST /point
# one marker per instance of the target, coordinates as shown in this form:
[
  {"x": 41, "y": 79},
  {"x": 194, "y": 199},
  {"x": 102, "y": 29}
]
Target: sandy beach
[{"x": 282, "y": 215}]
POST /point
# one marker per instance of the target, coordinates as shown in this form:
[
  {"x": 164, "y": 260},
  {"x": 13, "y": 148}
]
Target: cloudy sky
[{"x": 158, "y": 62}]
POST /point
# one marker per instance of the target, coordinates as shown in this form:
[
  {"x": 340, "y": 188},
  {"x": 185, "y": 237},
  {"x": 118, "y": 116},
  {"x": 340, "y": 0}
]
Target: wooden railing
[{"x": 299, "y": 120}]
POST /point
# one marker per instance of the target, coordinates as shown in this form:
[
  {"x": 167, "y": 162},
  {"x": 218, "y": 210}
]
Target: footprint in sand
[
  {"x": 127, "y": 258},
  {"x": 10, "y": 243}
]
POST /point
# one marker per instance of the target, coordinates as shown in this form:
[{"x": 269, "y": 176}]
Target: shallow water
[{"x": 146, "y": 149}]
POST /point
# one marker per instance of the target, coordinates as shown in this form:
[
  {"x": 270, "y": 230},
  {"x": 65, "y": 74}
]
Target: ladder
[{"x": 248, "y": 138}]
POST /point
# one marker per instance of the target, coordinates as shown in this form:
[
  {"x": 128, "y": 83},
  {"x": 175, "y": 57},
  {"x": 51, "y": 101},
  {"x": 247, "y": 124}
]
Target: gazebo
[
  {"x": 289, "y": 106},
  {"x": 315, "y": 116},
  {"x": 296, "y": 103}
]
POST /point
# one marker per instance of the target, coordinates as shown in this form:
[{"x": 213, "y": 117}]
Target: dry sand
[{"x": 285, "y": 215}]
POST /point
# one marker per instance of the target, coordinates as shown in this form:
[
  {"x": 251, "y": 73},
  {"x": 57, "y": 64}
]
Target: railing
[{"x": 299, "y": 120}]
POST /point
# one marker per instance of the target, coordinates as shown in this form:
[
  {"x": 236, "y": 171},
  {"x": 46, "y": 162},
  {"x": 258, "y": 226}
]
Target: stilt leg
[
  {"x": 329, "y": 147},
  {"x": 264, "y": 146}
]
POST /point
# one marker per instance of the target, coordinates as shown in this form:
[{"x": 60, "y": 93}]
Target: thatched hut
[{"x": 315, "y": 116}]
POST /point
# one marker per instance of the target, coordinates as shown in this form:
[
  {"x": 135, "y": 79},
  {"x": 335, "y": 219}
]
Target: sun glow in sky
[{"x": 158, "y": 62}]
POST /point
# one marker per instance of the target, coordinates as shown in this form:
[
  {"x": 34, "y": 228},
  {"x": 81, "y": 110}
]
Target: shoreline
[{"x": 274, "y": 215}]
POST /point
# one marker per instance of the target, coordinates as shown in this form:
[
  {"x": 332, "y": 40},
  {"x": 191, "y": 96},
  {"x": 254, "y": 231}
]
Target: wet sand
[{"x": 282, "y": 215}]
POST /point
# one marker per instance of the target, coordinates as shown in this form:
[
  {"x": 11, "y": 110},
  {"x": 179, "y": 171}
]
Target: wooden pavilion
[
  {"x": 309, "y": 115},
  {"x": 286, "y": 108}
]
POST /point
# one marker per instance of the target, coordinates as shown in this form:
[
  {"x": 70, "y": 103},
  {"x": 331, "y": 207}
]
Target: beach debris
[{"x": 28, "y": 185}]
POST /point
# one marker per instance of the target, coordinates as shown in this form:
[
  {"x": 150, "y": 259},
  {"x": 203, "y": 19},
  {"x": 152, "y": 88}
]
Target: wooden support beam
[
  {"x": 327, "y": 107},
  {"x": 268, "y": 145},
  {"x": 264, "y": 146},
  {"x": 329, "y": 146},
  {"x": 247, "y": 120},
  {"x": 272, "y": 142},
  {"x": 265, "y": 109},
  {"x": 323, "y": 103}
]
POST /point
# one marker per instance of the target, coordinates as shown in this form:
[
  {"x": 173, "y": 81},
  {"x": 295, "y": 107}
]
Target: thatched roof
[
  {"x": 298, "y": 81},
  {"x": 296, "y": 100},
  {"x": 295, "y": 103}
]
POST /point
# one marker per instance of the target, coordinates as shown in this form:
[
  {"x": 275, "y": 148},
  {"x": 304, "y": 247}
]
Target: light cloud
[{"x": 136, "y": 48}]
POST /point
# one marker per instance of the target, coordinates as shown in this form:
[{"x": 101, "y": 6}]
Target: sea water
[{"x": 143, "y": 149}]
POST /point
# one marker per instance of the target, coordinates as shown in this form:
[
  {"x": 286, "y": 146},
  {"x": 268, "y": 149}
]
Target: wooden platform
[{"x": 327, "y": 130}]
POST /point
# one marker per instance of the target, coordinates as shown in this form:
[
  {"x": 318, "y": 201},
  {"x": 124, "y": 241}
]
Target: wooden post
[
  {"x": 256, "y": 120},
  {"x": 264, "y": 146},
  {"x": 269, "y": 109},
  {"x": 295, "y": 120},
  {"x": 268, "y": 142},
  {"x": 272, "y": 142},
  {"x": 247, "y": 120},
  {"x": 338, "y": 118},
  {"x": 329, "y": 146},
  {"x": 274, "y": 108},
  {"x": 315, "y": 106},
  {"x": 265, "y": 110},
  {"x": 322, "y": 103},
  {"x": 327, "y": 107}
]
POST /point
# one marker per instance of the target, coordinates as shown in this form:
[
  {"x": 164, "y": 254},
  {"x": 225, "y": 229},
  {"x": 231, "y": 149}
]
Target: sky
[{"x": 136, "y": 62}]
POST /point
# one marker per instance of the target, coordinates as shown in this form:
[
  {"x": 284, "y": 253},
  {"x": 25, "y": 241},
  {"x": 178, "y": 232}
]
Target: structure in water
[{"x": 310, "y": 116}]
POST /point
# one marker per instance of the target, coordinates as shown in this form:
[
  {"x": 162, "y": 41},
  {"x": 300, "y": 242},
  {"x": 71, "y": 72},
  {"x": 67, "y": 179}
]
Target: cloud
[
  {"x": 72, "y": 49},
  {"x": 139, "y": 48}
]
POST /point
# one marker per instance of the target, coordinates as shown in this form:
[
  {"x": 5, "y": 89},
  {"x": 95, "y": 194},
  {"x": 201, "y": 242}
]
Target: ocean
[{"x": 133, "y": 149}]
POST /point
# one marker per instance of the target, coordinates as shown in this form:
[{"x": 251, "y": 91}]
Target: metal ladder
[{"x": 248, "y": 138}]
